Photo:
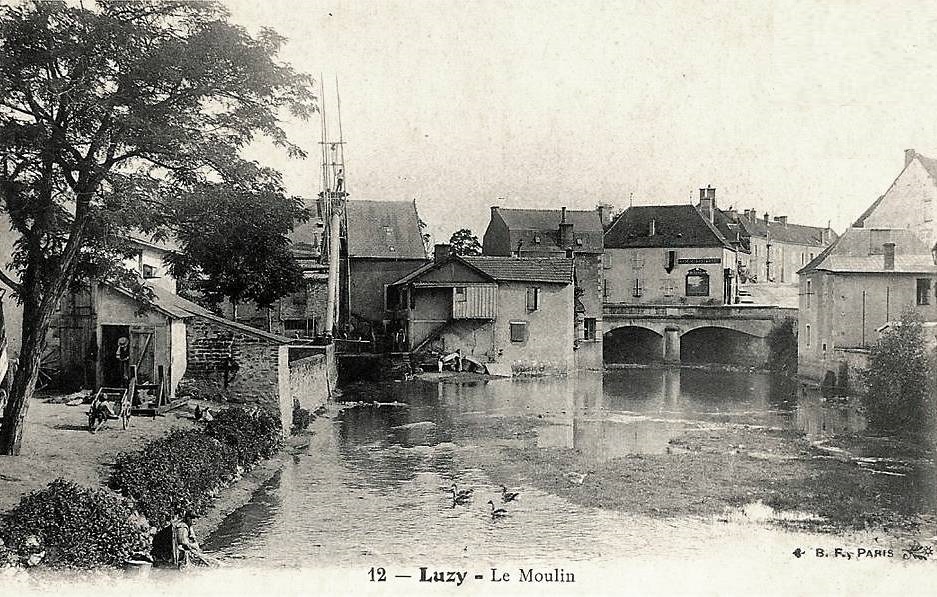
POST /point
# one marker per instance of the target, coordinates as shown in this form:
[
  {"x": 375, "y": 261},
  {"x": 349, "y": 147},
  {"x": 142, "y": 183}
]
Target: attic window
[
  {"x": 536, "y": 239},
  {"x": 392, "y": 249},
  {"x": 579, "y": 242},
  {"x": 387, "y": 229}
]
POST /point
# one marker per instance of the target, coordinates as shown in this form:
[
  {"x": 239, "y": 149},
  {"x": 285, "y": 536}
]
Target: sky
[{"x": 801, "y": 109}]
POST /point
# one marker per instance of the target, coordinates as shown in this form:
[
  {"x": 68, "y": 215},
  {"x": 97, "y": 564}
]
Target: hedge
[
  {"x": 67, "y": 525},
  {"x": 254, "y": 436}
]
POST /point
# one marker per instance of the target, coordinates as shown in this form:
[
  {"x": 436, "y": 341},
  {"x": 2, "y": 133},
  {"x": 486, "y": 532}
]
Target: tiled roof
[
  {"x": 177, "y": 307},
  {"x": 587, "y": 226},
  {"x": 522, "y": 269},
  {"x": 796, "y": 234},
  {"x": 674, "y": 226},
  {"x": 384, "y": 229},
  {"x": 858, "y": 250}
]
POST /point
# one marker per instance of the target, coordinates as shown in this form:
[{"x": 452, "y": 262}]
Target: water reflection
[{"x": 373, "y": 485}]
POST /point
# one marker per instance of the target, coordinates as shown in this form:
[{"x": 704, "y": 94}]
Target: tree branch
[{"x": 13, "y": 284}]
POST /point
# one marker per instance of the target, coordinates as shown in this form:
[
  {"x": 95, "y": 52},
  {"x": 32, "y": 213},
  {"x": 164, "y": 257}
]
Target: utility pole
[{"x": 332, "y": 200}]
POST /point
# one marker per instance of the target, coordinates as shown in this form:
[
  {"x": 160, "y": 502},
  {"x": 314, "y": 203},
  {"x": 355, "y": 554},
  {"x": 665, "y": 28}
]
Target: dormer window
[
  {"x": 579, "y": 242},
  {"x": 537, "y": 239},
  {"x": 149, "y": 272}
]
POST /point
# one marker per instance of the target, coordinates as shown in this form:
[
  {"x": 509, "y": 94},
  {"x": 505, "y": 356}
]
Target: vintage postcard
[{"x": 503, "y": 297}]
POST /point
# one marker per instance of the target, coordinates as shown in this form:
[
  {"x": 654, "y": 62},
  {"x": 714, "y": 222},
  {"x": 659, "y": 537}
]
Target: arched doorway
[{"x": 632, "y": 344}]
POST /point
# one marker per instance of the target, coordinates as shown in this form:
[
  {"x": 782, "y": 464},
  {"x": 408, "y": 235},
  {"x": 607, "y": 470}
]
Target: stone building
[
  {"x": 860, "y": 283},
  {"x": 560, "y": 233},
  {"x": 771, "y": 249},
  {"x": 384, "y": 244},
  {"x": 669, "y": 255},
  {"x": 509, "y": 311},
  {"x": 910, "y": 203}
]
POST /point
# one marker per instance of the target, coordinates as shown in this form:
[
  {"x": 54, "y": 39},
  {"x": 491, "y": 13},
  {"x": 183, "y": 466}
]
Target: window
[
  {"x": 607, "y": 260},
  {"x": 807, "y": 336},
  {"x": 460, "y": 294},
  {"x": 536, "y": 240},
  {"x": 299, "y": 325},
  {"x": 588, "y": 328},
  {"x": 923, "y": 291},
  {"x": 670, "y": 260},
  {"x": 518, "y": 331},
  {"x": 668, "y": 287},
  {"x": 824, "y": 348},
  {"x": 697, "y": 282},
  {"x": 809, "y": 292},
  {"x": 578, "y": 242},
  {"x": 149, "y": 271},
  {"x": 637, "y": 260},
  {"x": 604, "y": 289},
  {"x": 533, "y": 299},
  {"x": 638, "y": 288}
]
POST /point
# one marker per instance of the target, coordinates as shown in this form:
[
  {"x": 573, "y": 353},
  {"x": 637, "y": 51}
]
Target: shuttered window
[
  {"x": 588, "y": 328},
  {"x": 533, "y": 299},
  {"x": 518, "y": 331}
]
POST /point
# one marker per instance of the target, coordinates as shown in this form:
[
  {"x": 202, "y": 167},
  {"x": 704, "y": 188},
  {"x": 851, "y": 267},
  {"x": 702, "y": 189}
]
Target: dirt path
[{"x": 56, "y": 443}]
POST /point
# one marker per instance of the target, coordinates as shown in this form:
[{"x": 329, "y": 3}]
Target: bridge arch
[
  {"x": 722, "y": 344},
  {"x": 632, "y": 344}
]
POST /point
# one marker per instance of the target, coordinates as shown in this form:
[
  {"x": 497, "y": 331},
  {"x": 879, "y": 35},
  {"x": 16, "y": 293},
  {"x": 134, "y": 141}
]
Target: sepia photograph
[{"x": 480, "y": 297}]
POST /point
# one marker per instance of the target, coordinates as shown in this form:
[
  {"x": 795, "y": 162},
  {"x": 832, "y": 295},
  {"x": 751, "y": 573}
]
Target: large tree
[
  {"x": 234, "y": 244},
  {"x": 463, "y": 242},
  {"x": 111, "y": 116}
]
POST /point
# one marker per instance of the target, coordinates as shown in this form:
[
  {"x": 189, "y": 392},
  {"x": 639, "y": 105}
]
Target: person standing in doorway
[{"x": 123, "y": 358}]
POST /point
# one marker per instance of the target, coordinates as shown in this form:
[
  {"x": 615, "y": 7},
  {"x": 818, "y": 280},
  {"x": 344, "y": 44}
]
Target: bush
[
  {"x": 181, "y": 471},
  {"x": 74, "y": 526},
  {"x": 301, "y": 417},
  {"x": 782, "y": 347},
  {"x": 899, "y": 398},
  {"x": 253, "y": 436}
]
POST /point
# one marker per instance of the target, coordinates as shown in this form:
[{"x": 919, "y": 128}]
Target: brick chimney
[
  {"x": 707, "y": 202},
  {"x": 440, "y": 253},
  {"x": 909, "y": 155},
  {"x": 565, "y": 230},
  {"x": 888, "y": 251}
]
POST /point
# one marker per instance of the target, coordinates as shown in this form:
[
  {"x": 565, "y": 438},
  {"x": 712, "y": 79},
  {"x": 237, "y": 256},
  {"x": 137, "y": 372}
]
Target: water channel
[{"x": 372, "y": 487}]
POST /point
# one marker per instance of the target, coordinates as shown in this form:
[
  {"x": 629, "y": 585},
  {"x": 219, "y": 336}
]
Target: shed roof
[
  {"x": 674, "y": 226},
  {"x": 384, "y": 229}
]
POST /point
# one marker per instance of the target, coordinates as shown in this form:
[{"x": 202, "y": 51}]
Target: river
[{"x": 372, "y": 487}]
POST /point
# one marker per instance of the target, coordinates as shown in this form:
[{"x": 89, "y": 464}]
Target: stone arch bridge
[{"x": 682, "y": 333}]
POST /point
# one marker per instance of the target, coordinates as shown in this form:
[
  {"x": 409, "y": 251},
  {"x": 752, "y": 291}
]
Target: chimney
[
  {"x": 494, "y": 210},
  {"x": 605, "y": 213},
  {"x": 888, "y": 249},
  {"x": 566, "y": 231},
  {"x": 766, "y": 219},
  {"x": 440, "y": 253},
  {"x": 652, "y": 228},
  {"x": 909, "y": 155},
  {"x": 781, "y": 220},
  {"x": 707, "y": 202}
]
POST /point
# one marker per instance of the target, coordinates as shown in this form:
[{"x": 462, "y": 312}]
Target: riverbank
[
  {"x": 713, "y": 470},
  {"x": 57, "y": 443}
]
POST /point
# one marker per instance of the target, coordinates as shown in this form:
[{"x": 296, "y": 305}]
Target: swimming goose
[
  {"x": 497, "y": 512},
  {"x": 459, "y": 499},
  {"x": 508, "y": 496},
  {"x": 463, "y": 492}
]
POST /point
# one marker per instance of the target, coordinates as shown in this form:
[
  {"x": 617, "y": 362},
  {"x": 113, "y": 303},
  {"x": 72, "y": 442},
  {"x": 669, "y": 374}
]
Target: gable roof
[
  {"x": 858, "y": 251},
  {"x": 523, "y": 223},
  {"x": 674, "y": 226},
  {"x": 929, "y": 165},
  {"x": 384, "y": 229},
  {"x": 548, "y": 270},
  {"x": 553, "y": 270},
  {"x": 796, "y": 234}
]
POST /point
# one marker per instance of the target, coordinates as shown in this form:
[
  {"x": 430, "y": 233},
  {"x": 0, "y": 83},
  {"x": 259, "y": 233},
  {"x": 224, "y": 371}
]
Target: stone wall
[
  {"x": 310, "y": 381},
  {"x": 252, "y": 361}
]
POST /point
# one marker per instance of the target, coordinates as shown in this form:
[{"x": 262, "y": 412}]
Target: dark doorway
[{"x": 113, "y": 366}]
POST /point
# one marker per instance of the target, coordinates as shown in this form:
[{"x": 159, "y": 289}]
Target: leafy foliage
[
  {"x": 117, "y": 118},
  {"x": 900, "y": 395},
  {"x": 782, "y": 346},
  {"x": 75, "y": 527},
  {"x": 463, "y": 242},
  {"x": 181, "y": 471},
  {"x": 253, "y": 436}
]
